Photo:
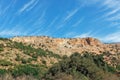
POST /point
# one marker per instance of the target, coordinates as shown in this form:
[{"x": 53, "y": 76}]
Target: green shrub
[
  {"x": 118, "y": 67},
  {"x": 90, "y": 67},
  {"x": 28, "y": 69},
  {"x": 5, "y": 63},
  {"x": 24, "y": 61},
  {"x": 44, "y": 62},
  {"x": 1, "y": 47},
  {"x": 2, "y": 72},
  {"x": 111, "y": 69},
  {"x": 18, "y": 57},
  {"x": 4, "y": 39}
]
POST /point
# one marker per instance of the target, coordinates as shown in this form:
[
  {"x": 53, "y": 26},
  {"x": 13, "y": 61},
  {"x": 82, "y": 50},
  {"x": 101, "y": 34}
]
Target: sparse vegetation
[
  {"x": 34, "y": 52},
  {"x": 31, "y": 63}
]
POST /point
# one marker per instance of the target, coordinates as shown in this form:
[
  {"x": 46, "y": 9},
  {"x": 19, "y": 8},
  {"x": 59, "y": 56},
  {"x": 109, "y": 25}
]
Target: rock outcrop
[{"x": 67, "y": 46}]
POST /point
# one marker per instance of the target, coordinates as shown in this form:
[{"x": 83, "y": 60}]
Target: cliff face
[{"x": 67, "y": 46}]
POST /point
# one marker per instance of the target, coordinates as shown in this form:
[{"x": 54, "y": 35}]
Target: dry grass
[{"x": 10, "y": 77}]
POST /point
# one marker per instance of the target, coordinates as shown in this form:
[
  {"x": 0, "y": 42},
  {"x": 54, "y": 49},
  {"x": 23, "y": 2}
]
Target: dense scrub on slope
[
  {"x": 85, "y": 67},
  {"x": 75, "y": 67},
  {"x": 37, "y": 71}
]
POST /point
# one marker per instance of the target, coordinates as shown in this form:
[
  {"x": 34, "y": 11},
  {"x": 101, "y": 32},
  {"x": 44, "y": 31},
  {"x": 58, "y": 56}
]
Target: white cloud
[
  {"x": 66, "y": 19},
  {"x": 40, "y": 21},
  {"x": 114, "y": 18},
  {"x": 9, "y": 33},
  {"x": 88, "y": 34},
  {"x": 53, "y": 22},
  {"x": 77, "y": 23},
  {"x": 33, "y": 5},
  {"x": 114, "y": 37},
  {"x": 71, "y": 14},
  {"x": 4, "y": 10},
  {"x": 14, "y": 31},
  {"x": 26, "y": 6},
  {"x": 114, "y": 10},
  {"x": 88, "y": 2},
  {"x": 111, "y": 3},
  {"x": 110, "y": 10},
  {"x": 70, "y": 34}
]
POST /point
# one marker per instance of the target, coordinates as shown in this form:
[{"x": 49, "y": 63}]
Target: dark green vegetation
[
  {"x": 37, "y": 71},
  {"x": 5, "y": 63},
  {"x": 75, "y": 67},
  {"x": 85, "y": 67}
]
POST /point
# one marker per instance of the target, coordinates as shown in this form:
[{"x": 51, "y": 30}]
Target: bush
[
  {"x": 5, "y": 63},
  {"x": 18, "y": 57},
  {"x": 28, "y": 69},
  {"x": 24, "y": 61},
  {"x": 118, "y": 67},
  {"x": 44, "y": 62},
  {"x": 1, "y": 47},
  {"x": 4, "y": 39},
  {"x": 2, "y": 72},
  {"x": 90, "y": 67}
]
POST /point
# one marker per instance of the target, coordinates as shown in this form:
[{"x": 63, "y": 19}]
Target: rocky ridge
[{"x": 67, "y": 46}]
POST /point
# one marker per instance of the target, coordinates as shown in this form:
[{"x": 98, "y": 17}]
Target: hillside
[
  {"x": 67, "y": 46},
  {"x": 36, "y": 58}
]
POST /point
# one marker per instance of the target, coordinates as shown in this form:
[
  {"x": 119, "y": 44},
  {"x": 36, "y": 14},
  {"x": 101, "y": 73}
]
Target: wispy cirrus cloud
[
  {"x": 40, "y": 19},
  {"x": 110, "y": 10},
  {"x": 67, "y": 18},
  {"x": 88, "y": 34},
  {"x": 4, "y": 10},
  {"x": 70, "y": 34},
  {"x": 15, "y": 31},
  {"x": 113, "y": 8},
  {"x": 113, "y": 37},
  {"x": 84, "y": 3},
  {"x": 78, "y": 22},
  {"x": 39, "y": 24},
  {"x": 111, "y": 3},
  {"x": 71, "y": 14},
  {"x": 112, "y": 14},
  {"x": 53, "y": 22},
  {"x": 32, "y": 6},
  {"x": 113, "y": 18},
  {"x": 27, "y": 5}
]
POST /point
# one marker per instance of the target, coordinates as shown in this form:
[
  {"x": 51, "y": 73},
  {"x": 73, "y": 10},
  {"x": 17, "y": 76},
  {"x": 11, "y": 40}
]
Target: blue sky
[{"x": 61, "y": 18}]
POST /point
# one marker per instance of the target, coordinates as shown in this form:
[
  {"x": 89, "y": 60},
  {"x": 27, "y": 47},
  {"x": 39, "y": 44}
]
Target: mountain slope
[
  {"x": 67, "y": 46},
  {"x": 36, "y": 58}
]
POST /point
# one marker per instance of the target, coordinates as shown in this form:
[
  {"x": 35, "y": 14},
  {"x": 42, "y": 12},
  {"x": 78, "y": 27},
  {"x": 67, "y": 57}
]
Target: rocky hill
[
  {"x": 67, "y": 46},
  {"x": 46, "y": 58}
]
